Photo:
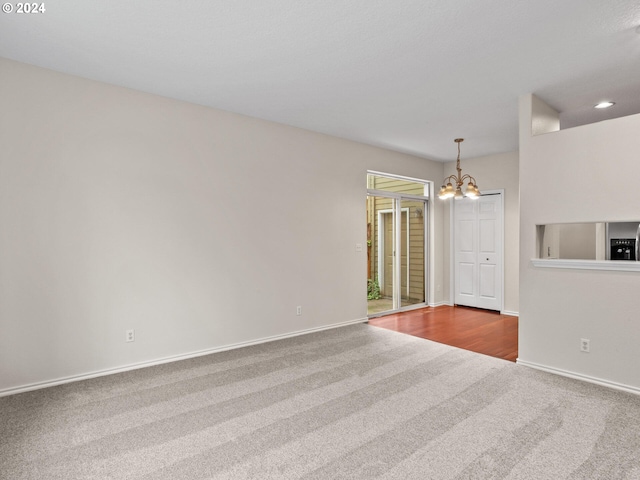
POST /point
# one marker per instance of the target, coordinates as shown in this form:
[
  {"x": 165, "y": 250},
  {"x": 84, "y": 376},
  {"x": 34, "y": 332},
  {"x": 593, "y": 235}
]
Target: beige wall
[
  {"x": 578, "y": 241},
  {"x": 559, "y": 307},
  {"x": 123, "y": 210},
  {"x": 493, "y": 172}
]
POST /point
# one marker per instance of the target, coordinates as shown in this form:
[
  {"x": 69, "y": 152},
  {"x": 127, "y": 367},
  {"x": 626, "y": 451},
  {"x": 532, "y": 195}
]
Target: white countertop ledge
[{"x": 613, "y": 265}]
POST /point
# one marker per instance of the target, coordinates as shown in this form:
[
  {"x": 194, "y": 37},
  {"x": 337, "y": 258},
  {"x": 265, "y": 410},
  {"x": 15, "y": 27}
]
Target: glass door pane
[
  {"x": 412, "y": 252},
  {"x": 381, "y": 254}
]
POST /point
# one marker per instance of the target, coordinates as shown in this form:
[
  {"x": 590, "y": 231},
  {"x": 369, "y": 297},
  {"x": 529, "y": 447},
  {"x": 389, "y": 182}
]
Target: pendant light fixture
[{"x": 448, "y": 191}]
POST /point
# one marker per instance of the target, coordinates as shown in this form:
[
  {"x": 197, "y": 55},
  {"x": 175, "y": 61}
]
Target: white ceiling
[{"x": 408, "y": 75}]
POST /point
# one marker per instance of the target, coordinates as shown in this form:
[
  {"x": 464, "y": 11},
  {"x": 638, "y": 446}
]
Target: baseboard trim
[
  {"x": 175, "y": 358},
  {"x": 579, "y": 376},
  {"x": 439, "y": 304},
  {"x": 511, "y": 314}
]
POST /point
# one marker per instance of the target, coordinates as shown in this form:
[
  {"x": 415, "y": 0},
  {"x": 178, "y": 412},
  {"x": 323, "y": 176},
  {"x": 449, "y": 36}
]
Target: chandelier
[{"x": 448, "y": 191}]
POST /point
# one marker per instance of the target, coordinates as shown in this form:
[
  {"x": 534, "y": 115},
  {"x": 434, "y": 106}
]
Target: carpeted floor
[{"x": 354, "y": 402}]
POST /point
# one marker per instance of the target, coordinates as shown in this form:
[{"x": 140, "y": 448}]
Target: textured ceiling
[{"x": 408, "y": 75}]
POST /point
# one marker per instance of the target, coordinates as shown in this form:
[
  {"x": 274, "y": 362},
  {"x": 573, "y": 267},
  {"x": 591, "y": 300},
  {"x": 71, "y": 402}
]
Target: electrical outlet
[
  {"x": 130, "y": 336},
  {"x": 298, "y": 310},
  {"x": 585, "y": 345}
]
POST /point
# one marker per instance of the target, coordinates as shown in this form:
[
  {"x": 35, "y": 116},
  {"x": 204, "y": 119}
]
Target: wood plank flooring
[{"x": 481, "y": 331}]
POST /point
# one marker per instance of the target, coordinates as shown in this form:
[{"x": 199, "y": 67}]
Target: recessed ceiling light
[{"x": 604, "y": 105}]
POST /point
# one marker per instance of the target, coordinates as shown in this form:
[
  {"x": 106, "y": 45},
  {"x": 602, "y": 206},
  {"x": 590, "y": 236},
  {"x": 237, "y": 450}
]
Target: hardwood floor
[{"x": 481, "y": 331}]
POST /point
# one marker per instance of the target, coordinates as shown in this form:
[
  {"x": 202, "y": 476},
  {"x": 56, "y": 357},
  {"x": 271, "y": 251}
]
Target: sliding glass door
[{"x": 396, "y": 249}]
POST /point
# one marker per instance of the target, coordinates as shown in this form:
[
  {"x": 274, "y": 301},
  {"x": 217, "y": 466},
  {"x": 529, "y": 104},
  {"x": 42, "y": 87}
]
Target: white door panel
[
  {"x": 487, "y": 281},
  {"x": 488, "y": 208},
  {"x": 467, "y": 209},
  {"x": 466, "y": 279},
  {"x": 487, "y": 232},
  {"x": 466, "y": 239}
]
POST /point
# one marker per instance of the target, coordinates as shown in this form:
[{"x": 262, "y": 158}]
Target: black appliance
[{"x": 623, "y": 249}]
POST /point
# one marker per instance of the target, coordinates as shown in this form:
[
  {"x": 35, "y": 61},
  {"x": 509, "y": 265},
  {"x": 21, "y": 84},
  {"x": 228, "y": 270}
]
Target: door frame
[
  {"x": 381, "y": 244},
  {"x": 452, "y": 266}
]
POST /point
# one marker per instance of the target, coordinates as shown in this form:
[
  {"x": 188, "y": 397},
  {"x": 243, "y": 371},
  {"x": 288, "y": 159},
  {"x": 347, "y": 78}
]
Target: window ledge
[{"x": 612, "y": 265}]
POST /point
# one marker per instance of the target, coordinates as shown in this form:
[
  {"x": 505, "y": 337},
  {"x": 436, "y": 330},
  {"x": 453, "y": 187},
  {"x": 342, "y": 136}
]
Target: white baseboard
[
  {"x": 579, "y": 376},
  {"x": 512, "y": 314},
  {"x": 175, "y": 358},
  {"x": 439, "y": 304}
]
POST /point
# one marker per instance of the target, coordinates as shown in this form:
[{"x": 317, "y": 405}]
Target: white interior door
[{"x": 478, "y": 251}]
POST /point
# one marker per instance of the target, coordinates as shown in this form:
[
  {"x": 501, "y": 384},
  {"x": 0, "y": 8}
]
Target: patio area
[
  {"x": 380, "y": 305},
  {"x": 386, "y": 303}
]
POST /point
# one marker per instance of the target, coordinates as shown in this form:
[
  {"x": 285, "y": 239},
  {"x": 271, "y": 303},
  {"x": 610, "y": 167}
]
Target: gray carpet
[{"x": 353, "y": 402}]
